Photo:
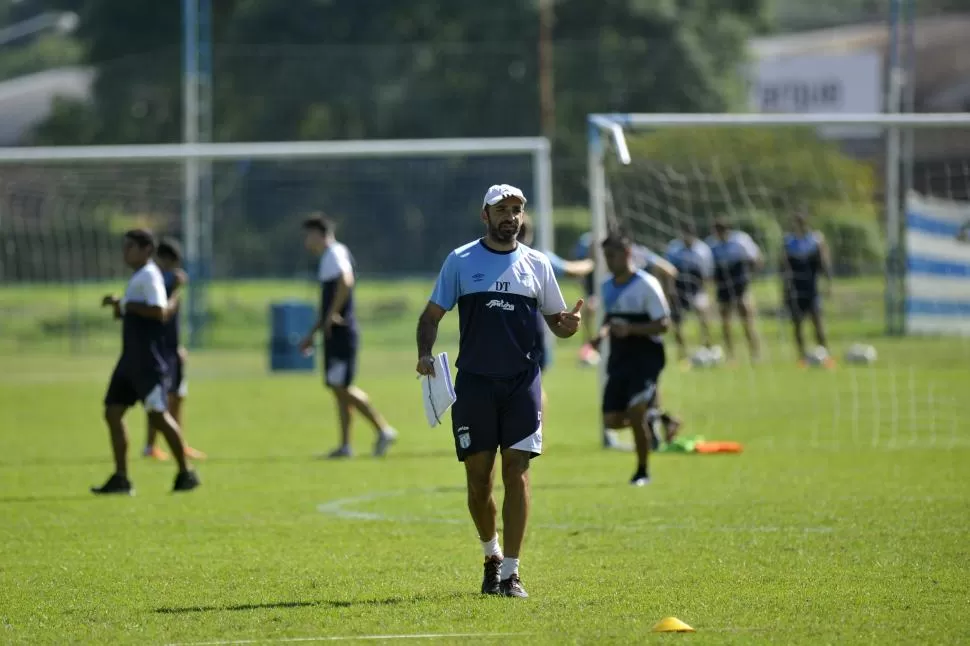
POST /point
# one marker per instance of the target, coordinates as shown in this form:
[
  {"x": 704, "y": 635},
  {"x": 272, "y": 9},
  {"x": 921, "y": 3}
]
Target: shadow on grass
[{"x": 321, "y": 603}]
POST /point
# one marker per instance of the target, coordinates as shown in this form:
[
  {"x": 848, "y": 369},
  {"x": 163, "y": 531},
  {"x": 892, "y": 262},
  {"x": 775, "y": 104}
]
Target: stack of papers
[{"x": 437, "y": 392}]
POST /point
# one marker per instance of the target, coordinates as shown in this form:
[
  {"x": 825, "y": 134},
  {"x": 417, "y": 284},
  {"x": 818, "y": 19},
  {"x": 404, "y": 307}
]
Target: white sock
[
  {"x": 491, "y": 548},
  {"x": 509, "y": 567}
]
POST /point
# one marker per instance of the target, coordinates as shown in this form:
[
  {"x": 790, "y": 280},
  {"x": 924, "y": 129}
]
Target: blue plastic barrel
[{"x": 289, "y": 323}]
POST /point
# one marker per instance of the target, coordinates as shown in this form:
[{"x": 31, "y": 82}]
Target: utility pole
[{"x": 547, "y": 97}]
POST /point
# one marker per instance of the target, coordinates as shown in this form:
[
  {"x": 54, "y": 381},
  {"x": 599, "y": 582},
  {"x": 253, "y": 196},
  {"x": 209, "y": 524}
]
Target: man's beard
[{"x": 503, "y": 233}]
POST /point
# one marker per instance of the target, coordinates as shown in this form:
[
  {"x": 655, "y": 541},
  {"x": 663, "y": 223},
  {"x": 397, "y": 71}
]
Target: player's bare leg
[
  {"x": 746, "y": 311},
  {"x": 515, "y": 515},
  {"x": 679, "y": 338},
  {"x": 726, "y": 330},
  {"x": 820, "y": 337},
  {"x": 479, "y": 468},
  {"x": 342, "y": 399},
  {"x": 114, "y": 416},
  {"x": 799, "y": 335},
  {"x": 588, "y": 353},
  {"x": 118, "y": 482},
  {"x": 176, "y": 406},
  {"x": 703, "y": 319},
  {"x": 151, "y": 450},
  {"x": 386, "y": 435},
  {"x": 641, "y": 438},
  {"x": 613, "y": 422},
  {"x": 186, "y": 480},
  {"x": 479, "y": 477}
]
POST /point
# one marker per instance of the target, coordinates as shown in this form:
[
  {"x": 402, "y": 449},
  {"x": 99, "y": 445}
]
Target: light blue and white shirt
[{"x": 499, "y": 297}]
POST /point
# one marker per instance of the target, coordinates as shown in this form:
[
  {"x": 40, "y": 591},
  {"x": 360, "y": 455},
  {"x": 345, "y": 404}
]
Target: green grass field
[{"x": 844, "y": 521}]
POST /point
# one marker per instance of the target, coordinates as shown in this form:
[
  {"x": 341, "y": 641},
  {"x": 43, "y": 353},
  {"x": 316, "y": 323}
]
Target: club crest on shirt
[
  {"x": 497, "y": 302},
  {"x": 477, "y": 278}
]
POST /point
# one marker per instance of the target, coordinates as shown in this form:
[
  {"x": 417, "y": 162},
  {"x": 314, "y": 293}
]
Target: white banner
[{"x": 831, "y": 83}]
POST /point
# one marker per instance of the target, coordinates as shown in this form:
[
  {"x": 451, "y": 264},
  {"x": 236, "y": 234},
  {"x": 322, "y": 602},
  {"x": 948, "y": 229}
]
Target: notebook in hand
[{"x": 437, "y": 392}]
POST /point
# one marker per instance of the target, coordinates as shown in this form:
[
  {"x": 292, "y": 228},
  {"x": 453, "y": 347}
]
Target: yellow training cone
[{"x": 672, "y": 625}]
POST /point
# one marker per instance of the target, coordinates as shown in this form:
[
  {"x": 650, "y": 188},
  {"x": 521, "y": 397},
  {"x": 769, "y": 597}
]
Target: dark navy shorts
[
  {"x": 130, "y": 385},
  {"x": 729, "y": 293},
  {"x": 632, "y": 386},
  {"x": 491, "y": 413},
  {"x": 802, "y": 303},
  {"x": 684, "y": 302},
  {"x": 340, "y": 357}
]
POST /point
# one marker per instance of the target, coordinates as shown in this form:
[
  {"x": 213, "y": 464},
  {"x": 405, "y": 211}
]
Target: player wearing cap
[{"x": 498, "y": 285}]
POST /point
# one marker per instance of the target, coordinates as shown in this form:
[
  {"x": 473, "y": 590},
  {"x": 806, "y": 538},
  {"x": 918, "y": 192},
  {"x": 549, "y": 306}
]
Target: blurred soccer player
[
  {"x": 805, "y": 257},
  {"x": 643, "y": 258},
  {"x": 695, "y": 265},
  {"x": 735, "y": 254},
  {"x": 636, "y": 315},
  {"x": 141, "y": 373},
  {"x": 341, "y": 336},
  {"x": 498, "y": 286},
  {"x": 169, "y": 260}
]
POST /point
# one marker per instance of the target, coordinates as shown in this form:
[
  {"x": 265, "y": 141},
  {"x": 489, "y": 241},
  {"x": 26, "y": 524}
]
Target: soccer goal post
[
  {"x": 399, "y": 204},
  {"x": 899, "y": 254}
]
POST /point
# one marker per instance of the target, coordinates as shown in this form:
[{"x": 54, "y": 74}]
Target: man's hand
[
  {"x": 109, "y": 301},
  {"x": 569, "y": 321},
  {"x": 306, "y": 345},
  {"x": 333, "y": 319},
  {"x": 426, "y": 366},
  {"x": 620, "y": 329},
  {"x": 181, "y": 278}
]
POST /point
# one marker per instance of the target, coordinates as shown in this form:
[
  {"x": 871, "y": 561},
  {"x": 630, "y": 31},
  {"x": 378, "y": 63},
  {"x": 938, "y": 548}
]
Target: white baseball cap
[{"x": 498, "y": 192}]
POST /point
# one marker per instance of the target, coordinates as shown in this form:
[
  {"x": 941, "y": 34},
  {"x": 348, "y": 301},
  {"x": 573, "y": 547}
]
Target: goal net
[
  {"x": 896, "y": 231},
  {"x": 400, "y": 206}
]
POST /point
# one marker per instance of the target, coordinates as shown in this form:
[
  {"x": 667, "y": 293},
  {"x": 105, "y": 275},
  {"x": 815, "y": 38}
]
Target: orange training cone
[{"x": 672, "y": 625}]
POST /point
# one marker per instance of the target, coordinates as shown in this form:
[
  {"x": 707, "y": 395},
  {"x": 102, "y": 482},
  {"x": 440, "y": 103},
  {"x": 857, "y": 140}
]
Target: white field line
[
  {"x": 343, "y": 508},
  {"x": 348, "y": 638}
]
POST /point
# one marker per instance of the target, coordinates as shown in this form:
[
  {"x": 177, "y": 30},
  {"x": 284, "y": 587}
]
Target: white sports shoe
[{"x": 386, "y": 438}]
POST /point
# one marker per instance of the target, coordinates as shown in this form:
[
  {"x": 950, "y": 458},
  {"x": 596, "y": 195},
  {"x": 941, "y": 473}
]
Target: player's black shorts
[
  {"x": 177, "y": 382},
  {"x": 589, "y": 284},
  {"x": 492, "y": 412},
  {"x": 801, "y": 303},
  {"x": 130, "y": 385},
  {"x": 729, "y": 293},
  {"x": 340, "y": 357},
  {"x": 631, "y": 387}
]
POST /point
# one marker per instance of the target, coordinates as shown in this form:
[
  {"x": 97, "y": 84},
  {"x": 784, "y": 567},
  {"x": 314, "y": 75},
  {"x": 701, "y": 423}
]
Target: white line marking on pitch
[
  {"x": 348, "y": 638},
  {"x": 340, "y": 509}
]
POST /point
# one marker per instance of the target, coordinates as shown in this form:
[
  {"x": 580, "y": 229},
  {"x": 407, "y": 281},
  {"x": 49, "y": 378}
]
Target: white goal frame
[
  {"x": 604, "y": 128},
  {"x": 196, "y": 227}
]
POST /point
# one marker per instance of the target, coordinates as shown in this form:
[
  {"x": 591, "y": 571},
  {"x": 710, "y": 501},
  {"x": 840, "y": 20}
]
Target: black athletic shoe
[
  {"x": 640, "y": 478},
  {"x": 490, "y": 582},
  {"x": 512, "y": 587},
  {"x": 186, "y": 481},
  {"x": 116, "y": 484}
]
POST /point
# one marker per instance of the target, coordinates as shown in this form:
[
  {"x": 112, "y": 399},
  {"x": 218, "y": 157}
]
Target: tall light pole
[
  {"x": 547, "y": 97},
  {"x": 197, "y": 177}
]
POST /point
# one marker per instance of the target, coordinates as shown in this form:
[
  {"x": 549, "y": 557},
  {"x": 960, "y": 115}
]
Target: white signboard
[{"x": 831, "y": 83}]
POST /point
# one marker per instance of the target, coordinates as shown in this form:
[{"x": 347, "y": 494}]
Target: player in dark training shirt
[
  {"x": 498, "y": 286},
  {"x": 341, "y": 335},
  {"x": 735, "y": 254},
  {"x": 141, "y": 373},
  {"x": 169, "y": 260},
  {"x": 805, "y": 258},
  {"x": 636, "y": 315}
]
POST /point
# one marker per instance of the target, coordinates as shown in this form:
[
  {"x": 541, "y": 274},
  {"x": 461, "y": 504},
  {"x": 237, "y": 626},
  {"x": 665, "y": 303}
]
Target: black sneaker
[
  {"x": 640, "y": 478},
  {"x": 491, "y": 580},
  {"x": 116, "y": 484},
  {"x": 512, "y": 587},
  {"x": 186, "y": 481}
]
